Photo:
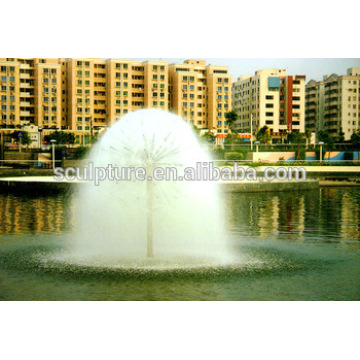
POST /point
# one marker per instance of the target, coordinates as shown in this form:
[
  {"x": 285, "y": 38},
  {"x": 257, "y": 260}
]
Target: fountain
[{"x": 149, "y": 223}]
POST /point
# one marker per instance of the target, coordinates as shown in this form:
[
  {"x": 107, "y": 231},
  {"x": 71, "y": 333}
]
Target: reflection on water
[
  {"x": 22, "y": 214},
  {"x": 300, "y": 246},
  {"x": 328, "y": 213}
]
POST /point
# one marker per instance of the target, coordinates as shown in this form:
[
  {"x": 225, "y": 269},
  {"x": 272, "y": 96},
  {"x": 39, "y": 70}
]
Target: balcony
[
  {"x": 24, "y": 76},
  {"x": 25, "y": 94},
  {"x": 24, "y": 113},
  {"x": 23, "y": 103},
  {"x": 25, "y": 85}
]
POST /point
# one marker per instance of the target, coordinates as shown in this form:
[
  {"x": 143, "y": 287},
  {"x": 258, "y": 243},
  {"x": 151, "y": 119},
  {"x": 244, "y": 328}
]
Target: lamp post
[
  {"x": 321, "y": 145},
  {"x": 257, "y": 150},
  {"x": 53, "y": 152}
]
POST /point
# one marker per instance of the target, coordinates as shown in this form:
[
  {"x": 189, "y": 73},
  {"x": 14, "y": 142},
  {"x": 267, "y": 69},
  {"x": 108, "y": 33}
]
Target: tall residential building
[
  {"x": 201, "y": 94},
  {"x": 83, "y": 95},
  {"x": 334, "y": 104},
  {"x": 270, "y": 98},
  {"x": 314, "y": 105}
]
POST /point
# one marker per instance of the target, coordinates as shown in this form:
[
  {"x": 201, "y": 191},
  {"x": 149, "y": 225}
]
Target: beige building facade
[
  {"x": 271, "y": 98},
  {"x": 85, "y": 95},
  {"x": 201, "y": 94},
  {"x": 339, "y": 106}
]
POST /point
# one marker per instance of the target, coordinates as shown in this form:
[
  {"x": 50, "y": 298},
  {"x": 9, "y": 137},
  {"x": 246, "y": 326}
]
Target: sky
[{"x": 312, "y": 68}]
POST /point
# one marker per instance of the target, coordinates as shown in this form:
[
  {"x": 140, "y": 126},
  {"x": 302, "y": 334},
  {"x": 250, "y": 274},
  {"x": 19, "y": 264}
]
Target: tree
[
  {"x": 263, "y": 135},
  {"x": 327, "y": 139},
  {"x": 355, "y": 140},
  {"x": 341, "y": 137},
  {"x": 25, "y": 138},
  {"x": 308, "y": 133},
  {"x": 231, "y": 117},
  {"x": 296, "y": 137}
]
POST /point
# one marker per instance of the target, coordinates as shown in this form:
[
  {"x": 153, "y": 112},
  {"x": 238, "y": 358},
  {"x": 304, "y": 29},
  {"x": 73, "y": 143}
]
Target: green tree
[
  {"x": 25, "y": 138},
  {"x": 296, "y": 137},
  {"x": 308, "y": 133},
  {"x": 341, "y": 137},
  {"x": 355, "y": 140},
  {"x": 231, "y": 117},
  {"x": 327, "y": 139},
  {"x": 263, "y": 135}
]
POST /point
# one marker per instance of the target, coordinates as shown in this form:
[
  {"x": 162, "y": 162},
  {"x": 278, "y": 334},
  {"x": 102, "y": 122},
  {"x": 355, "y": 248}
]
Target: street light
[
  {"x": 321, "y": 145},
  {"x": 257, "y": 150},
  {"x": 53, "y": 152}
]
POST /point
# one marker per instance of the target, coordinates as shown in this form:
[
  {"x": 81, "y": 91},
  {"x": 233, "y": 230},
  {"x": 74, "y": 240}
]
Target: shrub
[{"x": 234, "y": 156}]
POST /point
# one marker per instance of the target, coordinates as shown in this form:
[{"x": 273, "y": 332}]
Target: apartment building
[
  {"x": 271, "y": 98},
  {"x": 339, "y": 108},
  {"x": 201, "y": 94},
  {"x": 314, "y": 105},
  {"x": 85, "y": 95}
]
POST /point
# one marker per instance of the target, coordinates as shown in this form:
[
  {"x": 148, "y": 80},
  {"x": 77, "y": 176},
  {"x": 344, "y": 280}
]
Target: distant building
[
  {"x": 201, "y": 94},
  {"x": 314, "y": 105},
  {"x": 334, "y": 104},
  {"x": 86, "y": 95},
  {"x": 271, "y": 98}
]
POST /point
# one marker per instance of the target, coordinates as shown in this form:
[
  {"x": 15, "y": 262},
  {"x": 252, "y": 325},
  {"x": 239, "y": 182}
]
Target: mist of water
[{"x": 186, "y": 217}]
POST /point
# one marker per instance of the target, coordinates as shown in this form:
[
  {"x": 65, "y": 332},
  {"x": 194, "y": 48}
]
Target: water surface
[{"x": 289, "y": 246}]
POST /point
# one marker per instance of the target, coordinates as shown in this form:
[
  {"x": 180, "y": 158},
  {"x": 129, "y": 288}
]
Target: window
[
  {"x": 45, "y": 99},
  {"x": 118, "y": 102},
  {"x": 118, "y": 93},
  {"x": 79, "y": 118},
  {"x": 184, "y": 96},
  {"x": 79, "y": 82},
  {"x": 87, "y": 63},
  {"x": 53, "y": 80},
  {"x": 12, "y": 98},
  {"x": 45, "y": 118},
  {"x": 219, "y": 122},
  {"x": 3, "y": 97},
  {"x": 79, "y": 100},
  {"x": 125, "y": 102},
  {"x": 162, "y": 86},
  {"x": 118, "y": 84},
  {"x": 125, "y": 84},
  {"x": 79, "y": 73},
  {"x": 162, "y": 68},
  {"x": 219, "y": 88},
  {"x": 226, "y": 88},
  {"x": 269, "y": 105},
  {"x": 53, "y": 71},
  {"x": 87, "y": 73},
  {"x": 269, "y": 97},
  {"x": 191, "y": 104},
  {"x": 125, "y": 93},
  {"x": 87, "y": 82},
  {"x": 269, "y": 114},
  {"x": 79, "y": 91},
  {"x": 79, "y": 63},
  {"x": 184, "y": 104},
  {"x": 46, "y": 80},
  {"x": 45, "y": 71},
  {"x": 192, "y": 87},
  {"x": 118, "y": 111},
  {"x": 125, "y": 66},
  {"x": 219, "y": 97},
  {"x": 154, "y": 94},
  {"x": 162, "y": 103},
  {"x": 162, "y": 77},
  {"x": 87, "y": 91},
  {"x": 154, "y": 77},
  {"x": 184, "y": 87},
  {"x": 154, "y": 103},
  {"x": 154, "y": 67}
]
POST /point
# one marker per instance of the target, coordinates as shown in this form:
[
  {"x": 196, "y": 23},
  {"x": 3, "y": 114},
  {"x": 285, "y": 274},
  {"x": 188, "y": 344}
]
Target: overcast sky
[{"x": 312, "y": 68}]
